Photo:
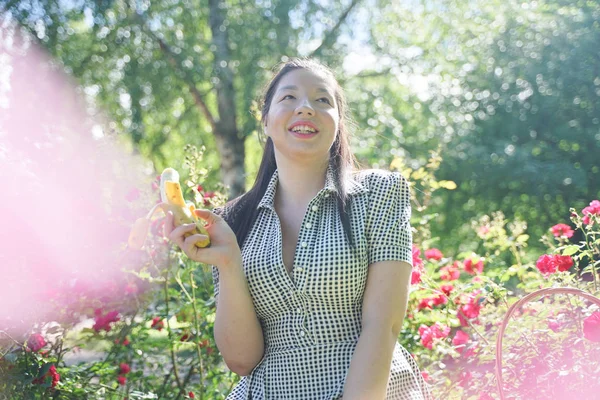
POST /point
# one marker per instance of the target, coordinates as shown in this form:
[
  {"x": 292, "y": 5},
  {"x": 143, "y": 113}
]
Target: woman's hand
[{"x": 223, "y": 250}]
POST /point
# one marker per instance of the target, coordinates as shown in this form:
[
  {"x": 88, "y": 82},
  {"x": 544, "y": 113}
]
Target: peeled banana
[{"x": 171, "y": 200}]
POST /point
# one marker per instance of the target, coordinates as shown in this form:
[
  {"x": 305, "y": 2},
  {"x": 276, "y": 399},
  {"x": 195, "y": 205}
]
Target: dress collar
[{"x": 352, "y": 187}]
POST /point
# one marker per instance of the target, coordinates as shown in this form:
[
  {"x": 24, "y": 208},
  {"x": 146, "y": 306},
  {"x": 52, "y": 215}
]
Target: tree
[{"x": 170, "y": 73}]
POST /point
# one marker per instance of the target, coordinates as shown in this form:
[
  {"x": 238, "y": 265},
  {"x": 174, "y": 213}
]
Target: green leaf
[{"x": 570, "y": 250}]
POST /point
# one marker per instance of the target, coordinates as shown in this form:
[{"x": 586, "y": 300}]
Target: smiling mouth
[{"x": 303, "y": 130}]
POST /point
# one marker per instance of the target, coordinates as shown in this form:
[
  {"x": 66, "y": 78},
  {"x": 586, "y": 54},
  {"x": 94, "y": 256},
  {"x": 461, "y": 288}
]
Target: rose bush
[
  {"x": 550, "y": 349},
  {"x": 151, "y": 334}
]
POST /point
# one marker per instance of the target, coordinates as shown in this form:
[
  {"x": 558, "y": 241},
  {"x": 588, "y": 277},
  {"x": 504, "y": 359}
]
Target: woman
[{"x": 312, "y": 265}]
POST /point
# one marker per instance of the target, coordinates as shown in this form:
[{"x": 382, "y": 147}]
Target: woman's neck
[{"x": 298, "y": 184}]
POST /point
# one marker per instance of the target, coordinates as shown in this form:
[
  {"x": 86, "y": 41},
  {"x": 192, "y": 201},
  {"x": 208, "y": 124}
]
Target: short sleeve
[
  {"x": 388, "y": 230},
  {"x": 215, "y": 277},
  {"x": 220, "y": 211}
]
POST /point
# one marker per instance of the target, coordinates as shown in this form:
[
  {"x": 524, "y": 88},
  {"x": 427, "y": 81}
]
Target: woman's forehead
[{"x": 305, "y": 79}]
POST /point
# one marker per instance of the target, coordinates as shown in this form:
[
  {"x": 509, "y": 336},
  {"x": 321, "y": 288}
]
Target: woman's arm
[
  {"x": 238, "y": 332},
  {"x": 384, "y": 307}
]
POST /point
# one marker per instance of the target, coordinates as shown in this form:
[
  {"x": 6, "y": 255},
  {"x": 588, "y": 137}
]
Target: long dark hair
[{"x": 241, "y": 212}]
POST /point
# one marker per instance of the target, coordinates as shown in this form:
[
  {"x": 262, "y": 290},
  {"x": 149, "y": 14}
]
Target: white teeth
[{"x": 303, "y": 128}]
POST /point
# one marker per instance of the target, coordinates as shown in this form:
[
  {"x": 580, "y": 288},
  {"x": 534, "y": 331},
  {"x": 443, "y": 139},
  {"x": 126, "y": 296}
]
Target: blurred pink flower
[
  {"x": 447, "y": 288},
  {"x": 559, "y": 230},
  {"x": 591, "y": 327},
  {"x": 124, "y": 368},
  {"x": 554, "y": 325},
  {"x": 450, "y": 272},
  {"x": 592, "y": 209},
  {"x": 157, "y": 323},
  {"x": 102, "y": 322},
  {"x": 473, "y": 268},
  {"x": 416, "y": 256},
  {"x": 460, "y": 339},
  {"x": 435, "y": 331},
  {"x": 433, "y": 254},
  {"x": 36, "y": 342}
]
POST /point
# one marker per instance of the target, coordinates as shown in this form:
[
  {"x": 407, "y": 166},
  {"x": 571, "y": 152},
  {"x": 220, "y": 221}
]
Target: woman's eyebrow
[{"x": 294, "y": 87}]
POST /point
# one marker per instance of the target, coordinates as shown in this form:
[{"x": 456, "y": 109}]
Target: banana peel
[{"x": 171, "y": 200}]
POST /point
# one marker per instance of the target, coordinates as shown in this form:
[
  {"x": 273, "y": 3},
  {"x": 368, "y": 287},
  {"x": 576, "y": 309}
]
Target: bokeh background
[
  {"x": 509, "y": 90},
  {"x": 506, "y": 93}
]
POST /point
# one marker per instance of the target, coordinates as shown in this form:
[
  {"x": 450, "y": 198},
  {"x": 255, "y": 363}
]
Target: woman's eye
[
  {"x": 286, "y": 96},
  {"x": 326, "y": 99}
]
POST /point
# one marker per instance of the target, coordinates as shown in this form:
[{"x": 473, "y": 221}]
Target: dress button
[
  {"x": 299, "y": 269},
  {"x": 303, "y": 244},
  {"x": 308, "y": 225},
  {"x": 299, "y": 310},
  {"x": 315, "y": 208},
  {"x": 327, "y": 195},
  {"x": 302, "y": 333}
]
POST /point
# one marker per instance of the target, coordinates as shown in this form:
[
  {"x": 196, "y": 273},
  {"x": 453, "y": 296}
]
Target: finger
[
  {"x": 168, "y": 226},
  {"x": 190, "y": 242},
  {"x": 209, "y": 216},
  {"x": 176, "y": 234}
]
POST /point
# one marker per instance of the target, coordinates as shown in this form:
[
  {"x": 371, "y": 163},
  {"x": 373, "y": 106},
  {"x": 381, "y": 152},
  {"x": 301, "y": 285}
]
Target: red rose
[
  {"x": 591, "y": 327},
  {"x": 425, "y": 303},
  {"x": 124, "y": 369},
  {"x": 415, "y": 276},
  {"x": 433, "y": 254},
  {"x": 447, "y": 289},
  {"x": 563, "y": 263},
  {"x": 545, "y": 264},
  {"x": 157, "y": 323},
  {"x": 473, "y": 268},
  {"x": 121, "y": 379},
  {"x": 425, "y": 375},
  {"x": 429, "y": 333},
  {"x": 36, "y": 342},
  {"x": 191, "y": 395},
  {"x": 450, "y": 272},
  {"x": 549, "y": 264},
  {"x": 559, "y": 230},
  {"x": 52, "y": 374},
  {"x": 200, "y": 188},
  {"x": 102, "y": 322},
  {"x": 469, "y": 309}
]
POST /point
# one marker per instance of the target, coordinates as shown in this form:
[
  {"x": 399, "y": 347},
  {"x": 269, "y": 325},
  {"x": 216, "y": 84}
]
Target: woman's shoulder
[{"x": 374, "y": 178}]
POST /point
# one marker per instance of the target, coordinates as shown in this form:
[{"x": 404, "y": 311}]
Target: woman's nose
[{"x": 305, "y": 107}]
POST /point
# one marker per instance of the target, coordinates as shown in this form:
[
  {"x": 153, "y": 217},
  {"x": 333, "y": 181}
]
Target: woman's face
[{"x": 303, "y": 119}]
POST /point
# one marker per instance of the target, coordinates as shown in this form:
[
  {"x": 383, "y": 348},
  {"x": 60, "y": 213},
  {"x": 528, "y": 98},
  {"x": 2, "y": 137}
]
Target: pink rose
[
  {"x": 433, "y": 254},
  {"x": 473, "y": 268},
  {"x": 592, "y": 209},
  {"x": 559, "y": 230},
  {"x": 450, "y": 272},
  {"x": 591, "y": 327},
  {"x": 36, "y": 342}
]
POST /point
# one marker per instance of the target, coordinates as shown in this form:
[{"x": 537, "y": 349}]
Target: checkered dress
[{"x": 311, "y": 319}]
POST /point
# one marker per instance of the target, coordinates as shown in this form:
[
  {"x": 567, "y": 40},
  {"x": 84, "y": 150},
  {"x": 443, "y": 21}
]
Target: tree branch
[
  {"x": 174, "y": 61},
  {"x": 332, "y": 34}
]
